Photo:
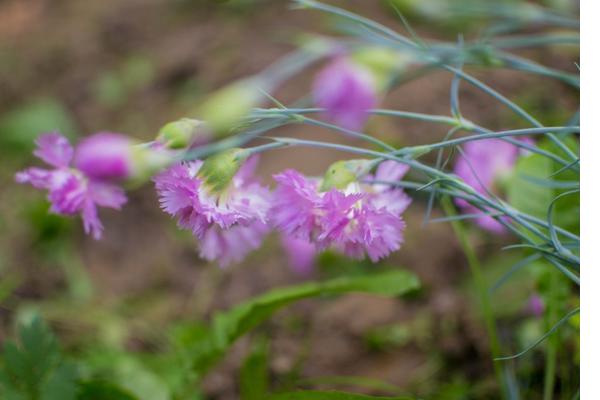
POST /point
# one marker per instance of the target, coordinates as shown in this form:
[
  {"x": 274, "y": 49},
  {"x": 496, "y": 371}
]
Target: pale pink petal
[
  {"x": 107, "y": 195},
  {"x": 54, "y": 149},
  {"x": 91, "y": 222},
  {"x": 39, "y": 178}
]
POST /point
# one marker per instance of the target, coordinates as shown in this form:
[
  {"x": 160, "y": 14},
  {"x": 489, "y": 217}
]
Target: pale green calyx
[
  {"x": 382, "y": 62},
  {"x": 146, "y": 162},
  {"x": 181, "y": 133},
  {"x": 342, "y": 173},
  {"x": 218, "y": 170},
  {"x": 224, "y": 109}
]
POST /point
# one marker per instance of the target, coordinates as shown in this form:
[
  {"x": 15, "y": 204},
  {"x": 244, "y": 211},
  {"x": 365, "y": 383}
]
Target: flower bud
[
  {"x": 383, "y": 63},
  {"x": 105, "y": 155},
  {"x": 218, "y": 170},
  {"x": 148, "y": 160},
  {"x": 224, "y": 109},
  {"x": 342, "y": 173},
  {"x": 183, "y": 133},
  {"x": 346, "y": 91}
]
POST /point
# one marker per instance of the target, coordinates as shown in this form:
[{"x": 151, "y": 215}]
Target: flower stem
[
  {"x": 482, "y": 291},
  {"x": 552, "y": 344}
]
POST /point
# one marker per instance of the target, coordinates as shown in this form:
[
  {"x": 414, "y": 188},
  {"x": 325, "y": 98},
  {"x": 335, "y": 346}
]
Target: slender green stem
[
  {"x": 553, "y": 341},
  {"x": 296, "y": 114},
  {"x": 482, "y": 291}
]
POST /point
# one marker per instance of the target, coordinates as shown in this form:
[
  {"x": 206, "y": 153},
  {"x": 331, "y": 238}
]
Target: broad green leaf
[
  {"x": 321, "y": 395},
  {"x": 61, "y": 385},
  {"x": 34, "y": 368},
  {"x": 227, "y": 327},
  {"x": 20, "y": 127},
  {"x": 98, "y": 390},
  {"x": 523, "y": 194},
  {"x": 133, "y": 376},
  {"x": 254, "y": 374}
]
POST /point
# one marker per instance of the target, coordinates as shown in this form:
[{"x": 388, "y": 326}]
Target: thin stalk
[
  {"x": 482, "y": 291},
  {"x": 552, "y": 343},
  {"x": 442, "y": 119}
]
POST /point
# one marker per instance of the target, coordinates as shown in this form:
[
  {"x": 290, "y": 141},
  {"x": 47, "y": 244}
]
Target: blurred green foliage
[{"x": 20, "y": 127}]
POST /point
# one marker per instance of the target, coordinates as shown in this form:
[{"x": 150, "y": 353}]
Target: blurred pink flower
[
  {"x": 301, "y": 254},
  {"x": 535, "y": 305},
  {"x": 482, "y": 166},
  {"x": 105, "y": 156},
  {"x": 70, "y": 190},
  {"x": 346, "y": 91}
]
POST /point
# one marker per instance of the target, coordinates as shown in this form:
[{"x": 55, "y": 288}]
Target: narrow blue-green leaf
[{"x": 543, "y": 337}]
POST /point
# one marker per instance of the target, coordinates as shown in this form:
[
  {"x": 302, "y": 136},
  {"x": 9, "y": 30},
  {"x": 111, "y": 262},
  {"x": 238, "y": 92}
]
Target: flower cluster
[
  {"x": 357, "y": 219},
  {"x": 228, "y": 223},
  {"x": 81, "y": 179}
]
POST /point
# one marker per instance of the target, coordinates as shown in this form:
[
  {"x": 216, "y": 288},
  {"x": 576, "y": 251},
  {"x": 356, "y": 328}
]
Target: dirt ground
[{"x": 60, "y": 48}]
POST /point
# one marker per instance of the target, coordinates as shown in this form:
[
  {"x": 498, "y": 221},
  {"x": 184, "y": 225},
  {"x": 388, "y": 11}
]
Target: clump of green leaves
[{"x": 33, "y": 367}]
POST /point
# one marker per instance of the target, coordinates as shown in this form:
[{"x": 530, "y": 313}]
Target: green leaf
[
  {"x": 144, "y": 383},
  {"x": 98, "y": 390},
  {"x": 34, "y": 368},
  {"x": 319, "y": 395},
  {"x": 61, "y": 384},
  {"x": 254, "y": 375},
  {"x": 227, "y": 327},
  {"x": 523, "y": 194},
  {"x": 20, "y": 127}
]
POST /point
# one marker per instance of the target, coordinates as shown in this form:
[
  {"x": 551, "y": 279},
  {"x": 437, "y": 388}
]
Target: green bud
[
  {"x": 224, "y": 109},
  {"x": 181, "y": 133},
  {"x": 218, "y": 170},
  {"x": 342, "y": 173},
  {"x": 382, "y": 62},
  {"x": 147, "y": 161}
]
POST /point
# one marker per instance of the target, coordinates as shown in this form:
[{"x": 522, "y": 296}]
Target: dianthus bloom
[
  {"x": 300, "y": 253},
  {"x": 483, "y": 165},
  {"x": 359, "y": 219},
  {"x": 105, "y": 155},
  {"x": 346, "y": 91},
  {"x": 229, "y": 223},
  {"x": 72, "y": 191}
]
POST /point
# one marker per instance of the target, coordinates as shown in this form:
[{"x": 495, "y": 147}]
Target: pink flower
[
  {"x": 301, "y": 254},
  {"x": 228, "y": 225},
  {"x": 359, "y": 220},
  {"x": 104, "y": 156},
  {"x": 483, "y": 166},
  {"x": 535, "y": 305},
  {"x": 346, "y": 91},
  {"x": 70, "y": 190}
]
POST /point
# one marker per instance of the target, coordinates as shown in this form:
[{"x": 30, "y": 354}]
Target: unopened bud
[
  {"x": 183, "y": 133},
  {"x": 105, "y": 156},
  {"x": 218, "y": 170},
  {"x": 148, "y": 160},
  {"x": 383, "y": 63},
  {"x": 224, "y": 109},
  {"x": 342, "y": 173}
]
